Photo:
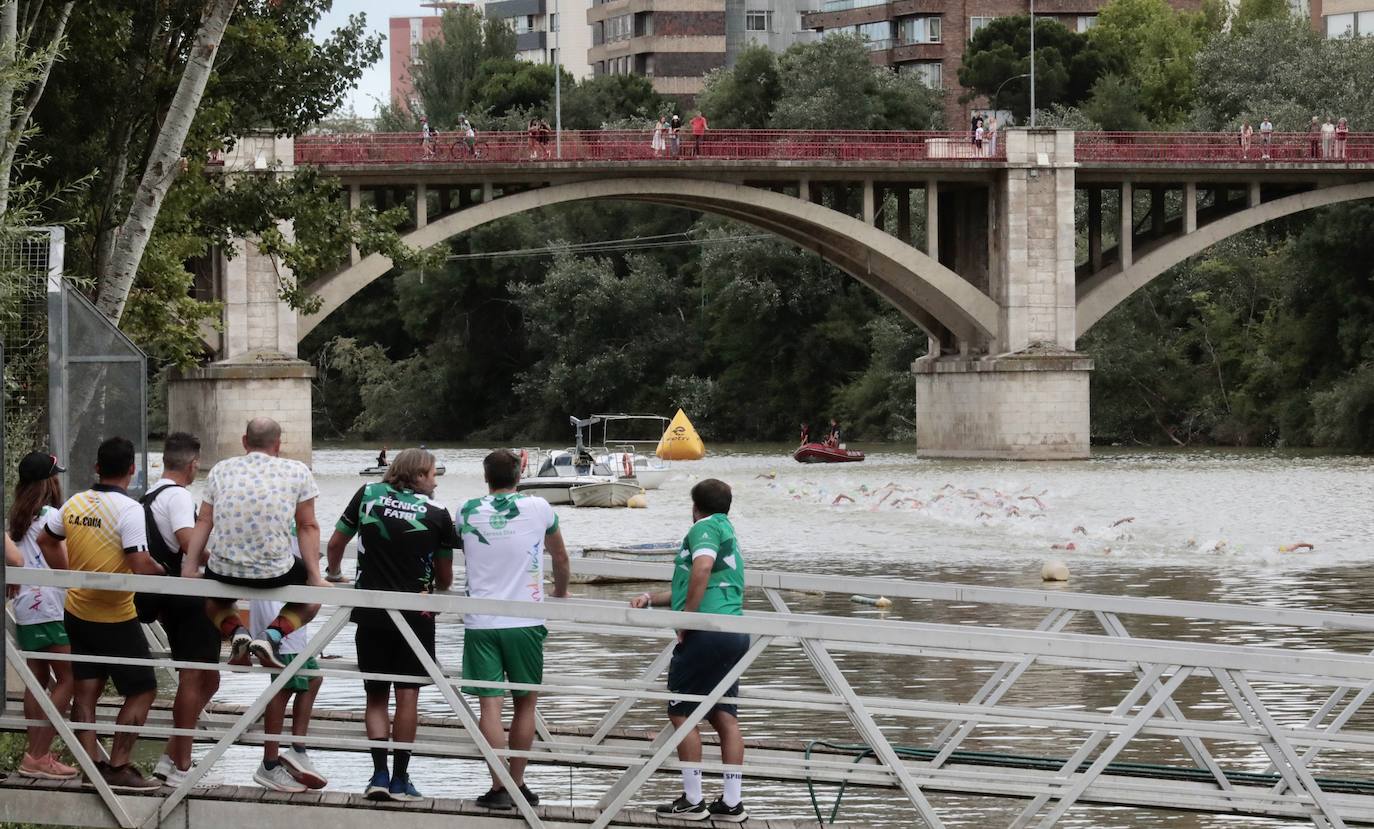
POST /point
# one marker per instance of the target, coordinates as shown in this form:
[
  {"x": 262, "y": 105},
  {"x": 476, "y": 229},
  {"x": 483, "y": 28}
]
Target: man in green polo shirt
[{"x": 708, "y": 577}]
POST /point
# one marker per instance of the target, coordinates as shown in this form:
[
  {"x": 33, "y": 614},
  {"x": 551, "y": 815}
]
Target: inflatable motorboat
[{"x": 821, "y": 453}]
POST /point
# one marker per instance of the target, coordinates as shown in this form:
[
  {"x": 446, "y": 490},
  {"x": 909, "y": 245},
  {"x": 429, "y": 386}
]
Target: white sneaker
[
  {"x": 277, "y": 779},
  {"x": 165, "y": 767},
  {"x": 299, "y": 766}
]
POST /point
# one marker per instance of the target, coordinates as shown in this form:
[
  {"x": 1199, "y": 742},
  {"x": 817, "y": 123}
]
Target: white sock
[
  {"x": 733, "y": 782},
  {"x": 691, "y": 785}
]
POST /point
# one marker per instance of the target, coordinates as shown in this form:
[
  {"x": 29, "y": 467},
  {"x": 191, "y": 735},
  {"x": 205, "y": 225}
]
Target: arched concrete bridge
[{"x": 1009, "y": 271}]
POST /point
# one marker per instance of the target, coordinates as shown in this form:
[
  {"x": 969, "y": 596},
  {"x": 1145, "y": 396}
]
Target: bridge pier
[
  {"x": 258, "y": 372},
  {"x": 1023, "y": 395}
]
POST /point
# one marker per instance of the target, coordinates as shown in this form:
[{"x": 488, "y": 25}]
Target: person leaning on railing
[{"x": 708, "y": 577}]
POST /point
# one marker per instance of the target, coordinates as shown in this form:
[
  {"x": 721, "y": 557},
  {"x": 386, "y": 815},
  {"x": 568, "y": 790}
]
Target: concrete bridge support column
[
  {"x": 1025, "y": 396},
  {"x": 257, "y": 373}
]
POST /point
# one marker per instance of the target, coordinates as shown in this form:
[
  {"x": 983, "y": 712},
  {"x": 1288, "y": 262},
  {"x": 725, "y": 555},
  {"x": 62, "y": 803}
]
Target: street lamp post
[
  {"x": 997, "y": 92},
  {"x": 557, "y": 83},
  {"x": 1032, "y": 65}
]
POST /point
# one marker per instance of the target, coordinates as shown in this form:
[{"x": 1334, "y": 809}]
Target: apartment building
[
  {"x": 927, "y": 37},
  {"x": 1343, "y": 18},
  {"x": 675, "y": 43},
  {"x": 405, "y": 34}
]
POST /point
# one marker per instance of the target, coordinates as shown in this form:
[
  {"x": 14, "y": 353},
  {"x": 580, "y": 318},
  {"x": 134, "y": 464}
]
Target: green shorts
[
  {"x": 503, "y": 655},
  {"x": 41, "y": 636},
  {"x": 299, "y": 683}
]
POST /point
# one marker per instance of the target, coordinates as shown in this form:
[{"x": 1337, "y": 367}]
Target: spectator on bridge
[
  {"x": 292, "y": 771},
  {"x": 105, "y": 532},
  {"x": 1247, "y": 136},
  {"x": 258, "y": 509},
  {"x": 1342, "y": 133},
  {"x": 533, "y": 132},
  {"x": 675, "y": 135},
  {"x": 38, "y": 610},
  {"x": 978, "y": 134},
  {"x": 990, "y": 138},
  {"x": 659, "y": 142},
  {"x": 504, "y": 536},
  {"x": 699, "y": 128},
  {"x": 1266, "y": 136},
  {"x": 170, "y": 514},
  {"x": 427, "y": 137},
  {"x": 1314, "y": 135},
  {"x": 545, "y": 131},
  {"x": 1328, "y": 139},
  {"x": 405, "y": 544},
  {"x": 708, "y": 578},
  {"x": 469, "y": 135}
]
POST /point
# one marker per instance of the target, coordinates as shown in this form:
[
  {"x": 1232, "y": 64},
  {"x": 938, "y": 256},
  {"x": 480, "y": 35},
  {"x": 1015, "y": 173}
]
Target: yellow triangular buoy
[{"x": 680, "y": 442}]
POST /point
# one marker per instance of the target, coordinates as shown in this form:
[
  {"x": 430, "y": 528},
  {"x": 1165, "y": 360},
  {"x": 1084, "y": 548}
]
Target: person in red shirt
[{"x": 698, "y": 132}]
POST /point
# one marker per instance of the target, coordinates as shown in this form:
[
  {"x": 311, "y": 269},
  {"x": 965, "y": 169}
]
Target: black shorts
[
  {"x": 295, "y": 577},
  {"x": 700, "y": 661},
  {"x": 190, "y": 633},
  {"x": 113, "y": 639},
  {"x": 383, "y": 650}
]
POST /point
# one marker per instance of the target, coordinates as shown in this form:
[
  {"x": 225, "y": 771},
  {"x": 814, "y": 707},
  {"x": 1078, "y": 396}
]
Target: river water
[{"x": 1203, "y": 525}]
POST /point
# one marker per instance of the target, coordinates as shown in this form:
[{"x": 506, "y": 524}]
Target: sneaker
[
  {"x": 379, "y": 787},
  {"x": 402, "y": 789},
  {"x": 277, "y": 779},
  {"x": 298, "y": 765},
  {"x": 45, "y": 768},
  {"x": 165, "y": 766},
  {"x": 683, "y": 809},
  {"x": 529, "y": 795},
  {"x": 495, "y": 799},
  {"x": 176, "y": 777},
  {"x": 267, "y": 653},
  {"x": 126, "y": 778},
  {"x": 238, "y": 646},
  {"x": 729, "y": 814}
]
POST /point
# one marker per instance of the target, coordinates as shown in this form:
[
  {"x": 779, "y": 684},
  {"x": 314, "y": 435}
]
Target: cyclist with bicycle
[{"x": 469, "y": 135}]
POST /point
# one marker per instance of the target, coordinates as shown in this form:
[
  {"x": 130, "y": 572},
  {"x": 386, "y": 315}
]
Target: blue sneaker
[
  {"x": 403, "y": 790},
  {"x": 379, "y": 787}
]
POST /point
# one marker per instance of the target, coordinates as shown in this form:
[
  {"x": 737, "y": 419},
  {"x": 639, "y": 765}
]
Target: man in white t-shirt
[
  {"x": 251, "y": 505},
  {"x": 504, "y": 538},
  {"x": 171, "y": 510}
]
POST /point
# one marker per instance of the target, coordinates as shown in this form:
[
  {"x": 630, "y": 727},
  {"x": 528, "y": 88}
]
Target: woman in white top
[
  {"x": 38, "y": 611},
  {"x": 660, "y": 142}
]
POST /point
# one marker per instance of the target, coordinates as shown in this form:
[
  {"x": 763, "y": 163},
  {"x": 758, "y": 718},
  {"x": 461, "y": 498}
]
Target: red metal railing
[
  {"x": 816, "y": 145},
  {"x": 637, "y": 145},
  {"x": 1184, "y": 147}
]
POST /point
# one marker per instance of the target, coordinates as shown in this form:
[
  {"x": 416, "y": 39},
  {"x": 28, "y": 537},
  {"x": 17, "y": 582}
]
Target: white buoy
[{"x": 1054, "y": 570}]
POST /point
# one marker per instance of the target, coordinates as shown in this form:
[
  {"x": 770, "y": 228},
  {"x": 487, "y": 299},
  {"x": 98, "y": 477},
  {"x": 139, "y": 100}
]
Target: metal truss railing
[{"x": 1151, "y": 671}]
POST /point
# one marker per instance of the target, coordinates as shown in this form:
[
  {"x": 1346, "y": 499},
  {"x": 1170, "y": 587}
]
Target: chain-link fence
[{"x": 29, "y": 259}]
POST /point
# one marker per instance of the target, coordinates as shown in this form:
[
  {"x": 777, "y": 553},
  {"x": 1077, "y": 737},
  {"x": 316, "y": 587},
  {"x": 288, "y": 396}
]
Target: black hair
[
  {"x": 114, "y": 458},
  {"x": 179, "y": 450},
  {"x": 711, "y": 496},
  {"x": 501, "y": 468}
]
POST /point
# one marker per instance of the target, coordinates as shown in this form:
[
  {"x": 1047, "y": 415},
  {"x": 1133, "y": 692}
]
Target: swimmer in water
[
  {"x": 1128, "y": 519},
  {"x": 841, "y": 499},
  {"x": 1069, "y": 546},
  {"x": 1293, "y": 548}
]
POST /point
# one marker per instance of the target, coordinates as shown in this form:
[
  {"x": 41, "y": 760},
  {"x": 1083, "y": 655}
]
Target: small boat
[
  {"x": 655, "y": 553},
  {"x": 374, "y": 471},
  {"x": 629, "y": 433},
  {"x": 820, "y": 453},
  {"x": 563, "y": 469},
  {"x": 605, "y": 493}
]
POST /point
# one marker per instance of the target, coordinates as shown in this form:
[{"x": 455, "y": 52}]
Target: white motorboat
[
  {"x": 628, "y": 434},
  {"x": 375, "y": 471},
  {"x": 562, "y": 469},
  {"x": 605, "y": 493},
  {"x": 657, "y": 553}
]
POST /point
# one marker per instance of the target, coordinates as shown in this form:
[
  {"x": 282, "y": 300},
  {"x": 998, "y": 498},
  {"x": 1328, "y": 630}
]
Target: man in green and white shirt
[
  {"x": 708, "y": 577},
  {"x": 504, "y": 536}
]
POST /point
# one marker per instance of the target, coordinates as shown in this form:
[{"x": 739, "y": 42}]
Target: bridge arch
[
  {"x": 931, "y": 295},
  {"x": 1100, "y": 293}
]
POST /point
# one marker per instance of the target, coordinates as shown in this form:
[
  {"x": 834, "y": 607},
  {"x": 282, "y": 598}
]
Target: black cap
[{"x": 38, "y": 466}]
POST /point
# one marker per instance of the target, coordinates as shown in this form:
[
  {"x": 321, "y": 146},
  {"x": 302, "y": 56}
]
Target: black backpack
[{"x": 149, "y": 605}]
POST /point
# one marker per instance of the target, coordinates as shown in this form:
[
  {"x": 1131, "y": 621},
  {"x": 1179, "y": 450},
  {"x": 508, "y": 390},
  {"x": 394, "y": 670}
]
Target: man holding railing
[{"x": 708, "y": 577}]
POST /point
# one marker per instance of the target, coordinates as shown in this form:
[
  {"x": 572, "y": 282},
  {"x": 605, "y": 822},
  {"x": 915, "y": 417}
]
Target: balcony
[
  {"x": 530, "y": 41},
  {"x": 514, "y": 8}
]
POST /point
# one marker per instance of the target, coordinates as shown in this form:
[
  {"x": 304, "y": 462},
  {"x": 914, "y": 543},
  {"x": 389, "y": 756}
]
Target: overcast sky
[{"x": 376, "y": 82}]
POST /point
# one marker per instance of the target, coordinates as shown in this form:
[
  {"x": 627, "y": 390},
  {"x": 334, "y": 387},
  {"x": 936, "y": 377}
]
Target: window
[
  {"x": 758, "y": 21},
  {"x": 619, "y": 28},
  {"x": 1086, "y": 22},
  {"x": 919, "y": 29},
  {"x": 976, "y": 23},
  {"x": 553, "y": 22},
  {"x": 1364, "y": 24},
  {"x": 1340, "y": 25},
  {"x": 841, "y": 5},
  {"x": 928, "y": 72},
  {"x": 644, "y": 24}
]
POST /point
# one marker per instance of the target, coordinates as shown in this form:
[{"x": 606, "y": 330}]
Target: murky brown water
[{"x": 1207, "y": 526}]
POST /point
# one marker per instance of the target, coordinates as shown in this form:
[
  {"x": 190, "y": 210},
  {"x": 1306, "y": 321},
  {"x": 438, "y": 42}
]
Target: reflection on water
[{"x": 1203, "y": 526}]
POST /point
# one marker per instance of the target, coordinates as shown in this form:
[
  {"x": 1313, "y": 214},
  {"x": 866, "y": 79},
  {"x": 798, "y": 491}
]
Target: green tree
[
  {"x": 832, "y": 84},
  {"x": 744, "y": 95},
  {"x": 608, "y": 99},
  {"x": 1067, "y": 64},
  {"x": 1249, "y": 12},
  {"x": 446, "y": 73},
  {"x": 1153, "y": 47},
  {"x": 1115, "y": 104},
  {"x": 505, "y": 85}
]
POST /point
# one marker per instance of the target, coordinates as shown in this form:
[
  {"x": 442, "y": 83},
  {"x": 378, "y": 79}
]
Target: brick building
[
  {"x": 405, "y": 34},
  {"x": 927, "y": 37}
]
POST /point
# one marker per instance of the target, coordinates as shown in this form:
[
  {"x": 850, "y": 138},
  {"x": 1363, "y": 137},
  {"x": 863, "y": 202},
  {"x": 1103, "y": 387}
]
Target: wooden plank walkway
[{"x": 72, "y": 804}]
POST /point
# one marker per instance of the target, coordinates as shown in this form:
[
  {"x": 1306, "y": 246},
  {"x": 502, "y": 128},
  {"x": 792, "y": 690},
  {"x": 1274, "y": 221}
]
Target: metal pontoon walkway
[{"x": 1245, "y": 757}]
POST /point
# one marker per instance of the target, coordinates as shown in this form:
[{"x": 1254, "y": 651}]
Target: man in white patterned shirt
[{"x": 247, "y": 516}]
